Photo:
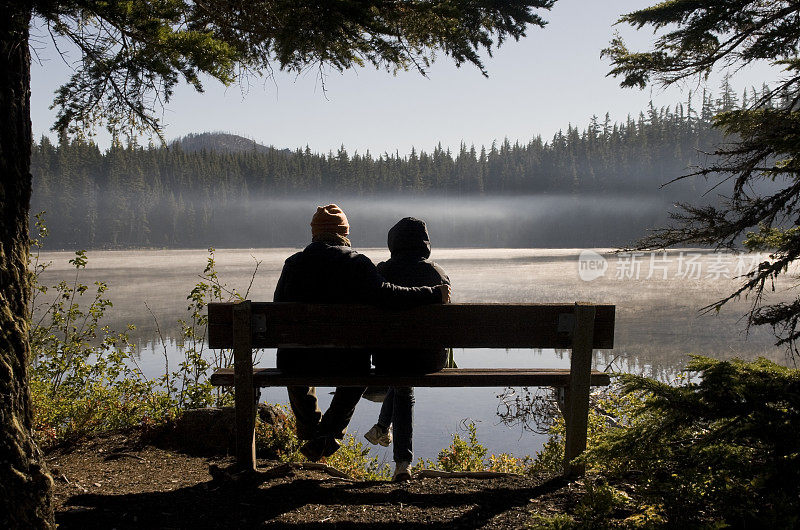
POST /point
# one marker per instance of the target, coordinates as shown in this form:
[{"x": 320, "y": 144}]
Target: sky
[{"x": 549, "y": 79}]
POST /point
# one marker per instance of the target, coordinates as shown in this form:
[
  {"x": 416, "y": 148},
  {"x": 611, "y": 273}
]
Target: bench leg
[
  {"x": 577, "y": 395},
  {"x": 244, "y": 395}
]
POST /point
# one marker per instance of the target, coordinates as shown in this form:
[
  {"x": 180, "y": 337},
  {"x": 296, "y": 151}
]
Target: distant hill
[{"x": 219, "y": 142}]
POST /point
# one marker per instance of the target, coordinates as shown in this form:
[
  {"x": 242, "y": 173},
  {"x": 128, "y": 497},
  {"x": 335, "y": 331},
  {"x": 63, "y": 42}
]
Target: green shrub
[
  {"x": 720, "y": 449},
  {"x": 559, "y": 521},
  {"x": 189, "y": 384},
  {"x": 463, "y": 455},
  {"x": 84, "y": 376},
  {"x": 717, "y": 449},
  {"x": 354, "y": 459},
  {"x": 470, "y": 455},
  {"x": 506, "y": 463},
  {"x": 602, "y": 506}
]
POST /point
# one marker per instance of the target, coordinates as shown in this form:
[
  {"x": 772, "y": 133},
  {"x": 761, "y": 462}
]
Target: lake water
[{"x": 657, "y": 297}]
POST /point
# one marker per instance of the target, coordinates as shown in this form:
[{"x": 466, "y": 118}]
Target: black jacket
[
  {"x": 409, "y": 266},
  {"x": 330, "y": 274}
]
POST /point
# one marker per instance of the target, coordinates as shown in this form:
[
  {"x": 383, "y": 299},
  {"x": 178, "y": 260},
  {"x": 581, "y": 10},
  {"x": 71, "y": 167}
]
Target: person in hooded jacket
[
  {"x": 330, "y": 271},
  {"x": 408, "y": 266}
]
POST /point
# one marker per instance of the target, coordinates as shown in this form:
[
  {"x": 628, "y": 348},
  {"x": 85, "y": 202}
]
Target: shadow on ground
[{"x": 311, "y": 502}]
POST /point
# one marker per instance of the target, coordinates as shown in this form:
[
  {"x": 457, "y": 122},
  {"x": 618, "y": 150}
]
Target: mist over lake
[
  {"x": 487, "y": 221},
  {"x": 494, "y": 221}
]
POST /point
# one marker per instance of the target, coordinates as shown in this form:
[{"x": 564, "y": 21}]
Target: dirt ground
[{"x": 120, "y": 482}]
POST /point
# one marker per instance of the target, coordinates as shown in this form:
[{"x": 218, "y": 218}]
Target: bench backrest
[{"x": 450, "y": 325}]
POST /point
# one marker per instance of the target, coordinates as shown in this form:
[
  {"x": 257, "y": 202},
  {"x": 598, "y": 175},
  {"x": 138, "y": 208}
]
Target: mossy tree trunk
[{"x": 25, "y": 485}]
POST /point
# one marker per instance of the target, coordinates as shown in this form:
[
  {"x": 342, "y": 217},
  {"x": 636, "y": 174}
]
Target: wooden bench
[{"x": 247, "y": 325}]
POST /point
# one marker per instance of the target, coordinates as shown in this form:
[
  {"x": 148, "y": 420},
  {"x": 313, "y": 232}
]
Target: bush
[
  {"x": 354, "y": 459},
  {"x": 720, "y": 449},
  {"x": 506, "y": 463},
  {"x": 470, "y": 455},
  {"x": 602, "y": 506},
  {"x": 85, "y": 378},
  {"x": 463, "y": 455}
]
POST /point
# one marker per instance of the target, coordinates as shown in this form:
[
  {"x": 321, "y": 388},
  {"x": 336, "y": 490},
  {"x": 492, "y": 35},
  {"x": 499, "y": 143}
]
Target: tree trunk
[{"x": 25, "y": 485}]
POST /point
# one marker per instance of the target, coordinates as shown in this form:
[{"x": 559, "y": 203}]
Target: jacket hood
[{"x": 409, "y": 238}]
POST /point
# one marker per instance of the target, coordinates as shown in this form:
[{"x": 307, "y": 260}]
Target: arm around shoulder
[{"x": 380, "y": 292}]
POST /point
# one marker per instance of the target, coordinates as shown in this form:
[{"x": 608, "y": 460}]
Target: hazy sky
[{"x": 553, "y": 77}]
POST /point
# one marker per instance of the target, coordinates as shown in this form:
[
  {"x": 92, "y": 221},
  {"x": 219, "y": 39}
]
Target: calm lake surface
[{"x": 657, "y": 297}]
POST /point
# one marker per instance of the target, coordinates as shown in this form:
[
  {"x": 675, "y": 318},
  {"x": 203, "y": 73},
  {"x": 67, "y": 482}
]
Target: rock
[
  {"x": 271, "y": 415},
  {"x": 210, "y": 431}
]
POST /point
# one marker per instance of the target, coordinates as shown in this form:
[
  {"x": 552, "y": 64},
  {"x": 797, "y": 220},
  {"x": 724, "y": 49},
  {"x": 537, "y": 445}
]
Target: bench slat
[
  {"x": 449, "y": 377},
  {"x": 450, "y": 325}
]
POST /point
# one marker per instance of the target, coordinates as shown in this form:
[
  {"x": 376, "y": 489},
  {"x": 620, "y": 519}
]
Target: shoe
[
  {"x": 320, "y": 447},
  {"x": 331, "y": 446},
  {"x": 402, "y": 472},
  {"x": 379, "y": 435}
]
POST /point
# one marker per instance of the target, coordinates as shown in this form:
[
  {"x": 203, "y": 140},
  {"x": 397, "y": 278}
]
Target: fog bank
[{"x": 532, "y": 221}]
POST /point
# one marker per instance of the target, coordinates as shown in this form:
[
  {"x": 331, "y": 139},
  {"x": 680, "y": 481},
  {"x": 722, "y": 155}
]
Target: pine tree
[{"x": 760, "y": 139}]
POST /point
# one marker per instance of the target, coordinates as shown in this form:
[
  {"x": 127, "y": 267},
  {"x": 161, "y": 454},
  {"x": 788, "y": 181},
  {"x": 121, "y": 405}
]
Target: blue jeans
[{"x": 398, "y": 411}]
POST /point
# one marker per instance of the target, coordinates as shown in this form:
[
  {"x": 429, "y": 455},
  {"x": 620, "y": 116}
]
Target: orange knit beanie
[{"x": 329, "y": 218}]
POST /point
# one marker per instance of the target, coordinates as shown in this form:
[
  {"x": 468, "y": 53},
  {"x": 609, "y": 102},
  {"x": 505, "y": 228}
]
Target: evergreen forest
[{"x": 223, "y": 190}]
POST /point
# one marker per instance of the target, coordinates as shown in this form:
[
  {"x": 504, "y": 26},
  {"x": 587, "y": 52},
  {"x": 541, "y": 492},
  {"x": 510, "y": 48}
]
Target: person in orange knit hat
[
  {"x": 330, "y": 271},
  {"x": 329, "y": 221}
]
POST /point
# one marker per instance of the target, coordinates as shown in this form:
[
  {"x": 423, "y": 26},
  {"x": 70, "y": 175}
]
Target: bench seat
[
  {"x": 246, "y": 325},
  {"x": 449, "y": 377}
]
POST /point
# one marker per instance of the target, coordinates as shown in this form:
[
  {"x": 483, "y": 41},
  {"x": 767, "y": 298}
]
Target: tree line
[{"x": 168, "y": 196}]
